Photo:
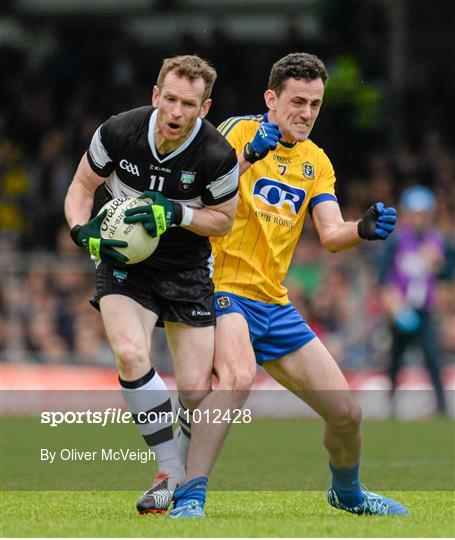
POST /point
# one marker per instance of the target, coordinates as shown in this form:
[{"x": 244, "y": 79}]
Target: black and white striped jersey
[{"x": 203, "y": 171}]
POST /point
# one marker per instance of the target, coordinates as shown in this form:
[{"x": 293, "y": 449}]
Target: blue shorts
[{"x": 274, "y": 330}]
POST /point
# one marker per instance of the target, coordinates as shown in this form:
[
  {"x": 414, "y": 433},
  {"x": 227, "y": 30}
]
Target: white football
[{"x": 140, "y": 244}]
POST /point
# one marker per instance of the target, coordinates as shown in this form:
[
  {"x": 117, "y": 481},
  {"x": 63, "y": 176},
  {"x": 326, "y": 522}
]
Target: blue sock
[
  {"x": 194, "y": 490},
  {"x": 347, "y": 485}
]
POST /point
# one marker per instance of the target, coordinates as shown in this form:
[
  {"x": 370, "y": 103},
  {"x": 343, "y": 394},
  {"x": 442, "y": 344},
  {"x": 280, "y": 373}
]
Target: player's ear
[
  {"x": 155, "y": 94},
  {"x": 205, "y": 108},
  {"x": 270, "y": 98}
]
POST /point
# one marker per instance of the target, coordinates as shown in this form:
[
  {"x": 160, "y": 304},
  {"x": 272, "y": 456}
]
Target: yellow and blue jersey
[{"x": 274, "y": 196}]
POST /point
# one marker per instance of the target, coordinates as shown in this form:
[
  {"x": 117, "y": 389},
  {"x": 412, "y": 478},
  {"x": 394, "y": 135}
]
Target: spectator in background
[
  {"x": 50, "y": 107},
  {"x": 15, "y": 199},
  {"x": 410, "y": 263}
]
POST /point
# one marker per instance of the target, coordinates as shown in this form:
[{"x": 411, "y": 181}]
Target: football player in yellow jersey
[
  {"x": 276, "y": 193},
  {"x": 284, "y": 175}
]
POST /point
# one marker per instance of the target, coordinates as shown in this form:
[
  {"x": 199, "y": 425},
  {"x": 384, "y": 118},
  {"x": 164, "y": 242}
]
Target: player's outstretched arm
[
  {"x": 336, "y": 234},
  {"x": 214, "y": 220},
  {"x": 163, "y": 213}
]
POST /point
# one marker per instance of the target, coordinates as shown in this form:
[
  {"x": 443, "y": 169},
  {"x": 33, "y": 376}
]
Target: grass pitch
[
  {"x": 283, "y": 461},
  {"x": 229, "y": 514}
]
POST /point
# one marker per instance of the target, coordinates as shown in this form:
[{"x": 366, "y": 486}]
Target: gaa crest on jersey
[
  {"x": 186, "y": 180},
  {"x": 308, "y": 170},
  {"x": 278, "y": 198},
  {"x": 129, "y": 167},
  {"x": 223, "y": 302}
]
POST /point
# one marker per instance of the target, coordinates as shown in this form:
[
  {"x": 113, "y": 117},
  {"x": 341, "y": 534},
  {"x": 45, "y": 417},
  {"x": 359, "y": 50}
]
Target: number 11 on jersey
[{"x": 153, "y": 183}]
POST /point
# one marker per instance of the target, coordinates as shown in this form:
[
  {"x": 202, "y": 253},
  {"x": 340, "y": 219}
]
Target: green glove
[
  {"x": 156, "y": 217},
  {"x": 88, "y": 237}
]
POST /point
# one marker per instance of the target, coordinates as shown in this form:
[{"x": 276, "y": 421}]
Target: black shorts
[{"x": 183, "y": 296}]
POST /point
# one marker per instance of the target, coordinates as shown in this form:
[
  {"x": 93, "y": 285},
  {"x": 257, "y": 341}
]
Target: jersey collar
[{"x": 177, "y": 151}]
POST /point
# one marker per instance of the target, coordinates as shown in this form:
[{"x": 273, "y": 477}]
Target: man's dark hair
[{"x": 296, "y": 66}]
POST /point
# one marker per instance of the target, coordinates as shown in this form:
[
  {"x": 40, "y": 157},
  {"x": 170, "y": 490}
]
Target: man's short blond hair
[{"x": 192, "y": 67}]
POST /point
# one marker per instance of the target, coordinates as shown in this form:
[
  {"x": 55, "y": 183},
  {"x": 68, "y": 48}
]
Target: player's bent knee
[
  {"x": 231, "y": 378},
  {"x": 191, "y": 398},
  {"x": 132, "y": 361},
  {"x": 243, "y": 380},
  {"x": 347, "y": 417}
]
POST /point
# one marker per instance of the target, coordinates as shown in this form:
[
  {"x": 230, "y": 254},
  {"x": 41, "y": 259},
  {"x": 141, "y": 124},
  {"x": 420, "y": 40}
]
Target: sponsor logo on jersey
[
  {"x": 223, "y": 302},
  {"x": 130, "y": 167},
  {"x": 186, "y": 180},
  {"x": 308, "y": 170},
  {"x": 278, "y": 198},
  {"x": 119, "y": 276},
  {"x": 281, "y": 160},
  {"x": 154, "y": 167}
]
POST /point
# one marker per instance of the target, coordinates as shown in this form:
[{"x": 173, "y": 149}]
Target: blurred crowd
[
  {"x": 57, "y": 94},
  {"x": 46, "y": 316}
]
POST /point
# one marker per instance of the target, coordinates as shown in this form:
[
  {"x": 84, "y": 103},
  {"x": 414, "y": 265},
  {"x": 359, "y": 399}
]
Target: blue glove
[
  {"x": 377, "y": 223},
  {"x": 266, "y": 139}
]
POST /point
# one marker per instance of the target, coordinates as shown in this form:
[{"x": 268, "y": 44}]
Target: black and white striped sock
[
  {"x": 184, "y": 437},
  {"x": 149, "y": 395}
]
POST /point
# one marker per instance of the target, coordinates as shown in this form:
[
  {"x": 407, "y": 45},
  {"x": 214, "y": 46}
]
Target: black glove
[
  {"x": 377, "y": 223},
  {"x": 156, "y": 217},
  {"x": 88, "y": 237}
]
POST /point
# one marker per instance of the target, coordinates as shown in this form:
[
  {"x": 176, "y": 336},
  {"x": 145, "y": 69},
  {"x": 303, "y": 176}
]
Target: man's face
[
  {"x": 296, "y": 108},
  {"x": 179, "y": 102}
]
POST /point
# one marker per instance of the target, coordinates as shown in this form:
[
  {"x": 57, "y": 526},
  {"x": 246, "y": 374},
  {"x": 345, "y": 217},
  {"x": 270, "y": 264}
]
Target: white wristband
[{"x": 187, "y": 216}]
